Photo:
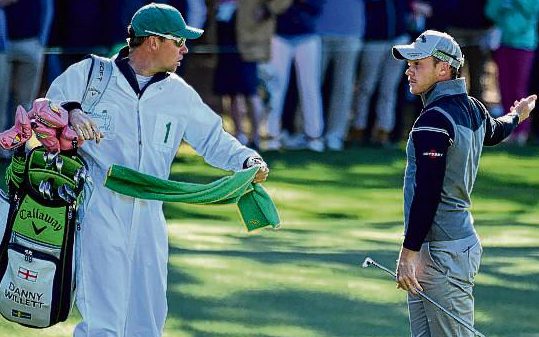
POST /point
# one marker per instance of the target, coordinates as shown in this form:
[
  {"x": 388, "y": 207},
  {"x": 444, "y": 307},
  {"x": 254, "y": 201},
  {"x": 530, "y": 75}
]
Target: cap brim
[
  {"x": 408, "y": 52},
  {"x": 189, "y": 33}
]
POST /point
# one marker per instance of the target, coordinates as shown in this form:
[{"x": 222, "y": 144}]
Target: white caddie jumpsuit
[{"x": 122, "y": 247}]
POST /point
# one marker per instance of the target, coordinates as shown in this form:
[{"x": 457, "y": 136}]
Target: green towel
[{"x": 256, "y": 207}]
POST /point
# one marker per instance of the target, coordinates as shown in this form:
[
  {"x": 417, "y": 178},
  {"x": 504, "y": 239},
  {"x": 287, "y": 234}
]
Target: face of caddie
[{"x": 169, "y": 55}]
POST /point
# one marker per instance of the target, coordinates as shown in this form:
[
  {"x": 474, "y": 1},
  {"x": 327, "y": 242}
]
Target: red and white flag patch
[{"x": 27, "y": 274}]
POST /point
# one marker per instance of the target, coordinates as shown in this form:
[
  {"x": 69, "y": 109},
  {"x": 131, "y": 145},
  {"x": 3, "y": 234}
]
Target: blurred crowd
[{"x": 291, "y": 74}]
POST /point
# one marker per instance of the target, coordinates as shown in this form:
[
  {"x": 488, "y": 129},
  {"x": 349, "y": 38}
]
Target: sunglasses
[{"x": 178, "y": 41}]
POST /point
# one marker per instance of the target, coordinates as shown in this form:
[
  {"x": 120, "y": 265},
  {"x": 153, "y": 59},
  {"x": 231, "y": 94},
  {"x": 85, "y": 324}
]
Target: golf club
[
  {"x": 59, "y": 163},
  {"x": 72, "y": 195},
  {"x": 65, "y": 194},
  {"x": 370, "y": 262},
  {"x": 42, "y": 188},
  {"x": 49, "y": 158},
  {"x": 47, "y": 189}
]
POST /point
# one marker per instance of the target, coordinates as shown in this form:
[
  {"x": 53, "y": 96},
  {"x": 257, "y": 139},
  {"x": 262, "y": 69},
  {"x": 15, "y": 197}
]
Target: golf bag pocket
[{"x": 27, "y": 297}]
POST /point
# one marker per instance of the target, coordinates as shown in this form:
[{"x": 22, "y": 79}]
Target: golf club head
[
  {"x": 49, "y": 157},
  {"x": 367, "y": 262},
  {"x": 47, "y": 190},
  {"x": 66, "y": 193},
  {"x": 46, "y": 158},
  {"x": 41, "y": 188},
  {"x": 62, "y": 193},
  {"x": 59, "y": 163},
  {"x": 72, "y": 195}
]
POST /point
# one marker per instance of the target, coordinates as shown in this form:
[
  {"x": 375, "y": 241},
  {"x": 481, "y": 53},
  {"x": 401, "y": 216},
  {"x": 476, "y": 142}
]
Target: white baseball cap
[{"x": 431, "y": 43}]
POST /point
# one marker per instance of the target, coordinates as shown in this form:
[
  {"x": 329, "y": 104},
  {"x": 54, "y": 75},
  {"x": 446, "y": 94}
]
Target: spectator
[
  {"x": 342, "y": 26},
  {"x": 244, "y": 30},
  {"x": 28, "y": 25},
  {"x": 432, "y": 14},
  {"x": 195, "y": 11},
  {"x": 83, "y": 36},
  {"x": 296, "y": 41},
  {"x": 471, "y": 28},
  {"x": 3, "y": 68},
  {"x": 534, "y": 87},
  {"x": 517, "y": 21},
  {"x": 385, "y": 27},
  {"x": 3, "y": 74}
]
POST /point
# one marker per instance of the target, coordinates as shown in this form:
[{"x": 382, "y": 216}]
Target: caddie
[
  {"x": 441, "y": 251},
  {"x": 142, "y": 116}
]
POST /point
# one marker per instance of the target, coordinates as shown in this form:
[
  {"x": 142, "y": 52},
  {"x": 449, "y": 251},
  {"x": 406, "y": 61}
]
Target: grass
[{"x": 305, "y": 279}]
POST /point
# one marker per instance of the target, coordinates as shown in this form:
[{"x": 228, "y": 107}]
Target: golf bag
[{"x": 37, "y": 274}]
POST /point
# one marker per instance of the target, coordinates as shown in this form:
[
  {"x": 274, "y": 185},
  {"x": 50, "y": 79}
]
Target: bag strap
[{"x": 98, "y": 79}]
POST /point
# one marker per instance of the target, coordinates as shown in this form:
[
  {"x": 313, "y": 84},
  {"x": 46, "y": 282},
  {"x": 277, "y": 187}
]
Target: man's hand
[
  {"x": 263, "y": 171},
  {"x": 406, "y": 268},
  {"x": 261, "y": 175},
  {"x": 84, "y": 126},
  {"x": 523, "y": 107}
]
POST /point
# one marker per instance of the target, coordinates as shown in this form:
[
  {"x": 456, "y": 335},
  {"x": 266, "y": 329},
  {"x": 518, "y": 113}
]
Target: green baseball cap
[
  {"x": 431, "y": 43},
  {"x": 163, "y": 20}
]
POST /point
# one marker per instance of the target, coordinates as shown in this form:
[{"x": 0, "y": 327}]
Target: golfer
[
  {"x": 441, "y": 251},
  {"x": 143, "y": 115}
]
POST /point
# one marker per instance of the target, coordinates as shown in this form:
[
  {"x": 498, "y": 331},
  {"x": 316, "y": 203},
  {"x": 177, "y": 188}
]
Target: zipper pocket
[{"x": 30, "y": 253}]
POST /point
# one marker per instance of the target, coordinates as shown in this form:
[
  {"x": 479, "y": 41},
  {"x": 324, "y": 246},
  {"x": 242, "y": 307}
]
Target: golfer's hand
[
  {"x": 84, "y": 126},
  {"x": 524, "y": 106},
  {"x": 406, "y": 268}
]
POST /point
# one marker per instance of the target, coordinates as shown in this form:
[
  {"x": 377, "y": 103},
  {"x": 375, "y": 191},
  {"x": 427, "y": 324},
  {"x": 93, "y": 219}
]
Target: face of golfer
[{"x": 423, "y": 74}]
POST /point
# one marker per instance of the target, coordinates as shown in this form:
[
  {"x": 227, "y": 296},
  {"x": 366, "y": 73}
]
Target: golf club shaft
[{"x": 369, "y": 261}]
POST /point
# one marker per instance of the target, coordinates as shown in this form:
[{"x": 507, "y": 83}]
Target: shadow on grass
[
  {"x": 315, "y": 313},
  {"x": 495, "y": 187},
  {"x": 322, "y": 314},
  {"x": 330, "y": 314},
  {"x": 182, "y": 211}
]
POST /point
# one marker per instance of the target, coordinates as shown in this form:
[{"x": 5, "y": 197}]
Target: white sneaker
[
  {"x": 295, "y": 142},
  {"x": 316, "y": 145},
  {"x": 334, "y": 144},
  {"x": 272, "y": 145}
]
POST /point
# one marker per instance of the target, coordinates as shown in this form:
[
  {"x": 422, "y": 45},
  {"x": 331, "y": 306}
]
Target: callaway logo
[
  {"x": 432, "y": 154},
  {"x": 38, "y": 230}
]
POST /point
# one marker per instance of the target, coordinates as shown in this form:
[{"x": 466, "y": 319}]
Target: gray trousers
[
  {"x": 446, "y": 272},
  {"x": 4, "y": 90},
  {"x": 23, "y": 75},
  {"x": 378, "y": 68},
  {"x": 344, "y": 52}
]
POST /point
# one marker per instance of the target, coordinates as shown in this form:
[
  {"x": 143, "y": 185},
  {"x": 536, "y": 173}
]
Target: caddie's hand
[
  {"x": 524, "y": 106},
  {"x": 84, "y": 126},
  {"x": 263, "y": 171},
  {"x": 261, "y": 175},
  {"x": 406, "y": 269}
]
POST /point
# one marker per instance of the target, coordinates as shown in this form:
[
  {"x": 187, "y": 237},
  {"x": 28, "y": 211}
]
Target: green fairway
[{"x": 306, "y": 280}]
